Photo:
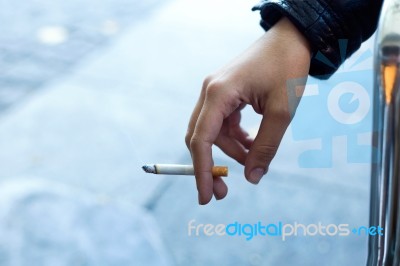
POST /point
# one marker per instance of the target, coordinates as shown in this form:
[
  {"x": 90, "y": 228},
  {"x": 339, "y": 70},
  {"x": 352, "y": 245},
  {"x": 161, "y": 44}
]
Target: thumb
[{"x": 265, "y": 145}]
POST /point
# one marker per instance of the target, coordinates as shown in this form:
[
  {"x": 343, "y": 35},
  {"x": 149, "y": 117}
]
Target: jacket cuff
[{"x": 328, "y": 37}]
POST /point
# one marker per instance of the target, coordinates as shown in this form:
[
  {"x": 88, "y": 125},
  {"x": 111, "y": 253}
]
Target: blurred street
[
  {"x": 42, "y": 40},
  {"x": 90, "y": 91}
]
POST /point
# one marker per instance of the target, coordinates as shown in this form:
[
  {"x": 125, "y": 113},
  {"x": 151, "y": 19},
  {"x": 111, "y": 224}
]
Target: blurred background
[{"x": 90, "y": 91}]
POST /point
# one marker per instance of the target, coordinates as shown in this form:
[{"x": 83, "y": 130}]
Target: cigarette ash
[{"x": 149, "y": 168}]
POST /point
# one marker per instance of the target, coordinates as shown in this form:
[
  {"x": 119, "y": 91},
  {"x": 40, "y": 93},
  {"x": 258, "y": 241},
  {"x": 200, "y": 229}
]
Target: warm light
[{"x": 389, "y": 75}]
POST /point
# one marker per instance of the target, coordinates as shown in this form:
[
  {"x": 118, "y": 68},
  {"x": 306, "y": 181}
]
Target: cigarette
[{"x": 179, "y": 169}]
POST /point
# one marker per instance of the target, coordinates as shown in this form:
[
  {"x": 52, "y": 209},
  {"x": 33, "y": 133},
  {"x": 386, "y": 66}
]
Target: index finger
[{"x": 205, "y": 133}]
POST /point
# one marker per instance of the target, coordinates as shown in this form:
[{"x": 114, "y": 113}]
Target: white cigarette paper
[{"x": 179, "y": 169}]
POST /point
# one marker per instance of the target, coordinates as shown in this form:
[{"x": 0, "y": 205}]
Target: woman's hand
[{"x": 257, "y": 77}]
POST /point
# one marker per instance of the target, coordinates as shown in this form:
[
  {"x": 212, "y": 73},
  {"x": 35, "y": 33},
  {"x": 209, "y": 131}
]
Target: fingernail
[
  {"x": 255, "y": 175},
  {"x": 200, "y": 203}
]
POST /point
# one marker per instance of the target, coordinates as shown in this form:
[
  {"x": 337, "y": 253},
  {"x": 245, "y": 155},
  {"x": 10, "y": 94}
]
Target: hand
[{"x": 257, "y": 77}]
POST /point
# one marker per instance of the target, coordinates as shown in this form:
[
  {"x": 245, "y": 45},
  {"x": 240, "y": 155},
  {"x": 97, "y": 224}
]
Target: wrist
[{"x": 291, "y": 34}]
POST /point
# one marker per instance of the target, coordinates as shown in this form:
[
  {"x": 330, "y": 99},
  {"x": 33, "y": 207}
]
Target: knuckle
[
  {"x": 187, "y": 139},
  {"x": 214, "y": 88},
  {"x": 207, "y": 81},
  {"x": 218, "y": 91},
  {"x": 197, "y": 143},
  {"x": 265, "y": 153},
  {"x": 194, "y": 143}
]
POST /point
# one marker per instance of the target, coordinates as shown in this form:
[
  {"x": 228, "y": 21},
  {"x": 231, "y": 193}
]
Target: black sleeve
[{"x": 335, "y": 29}]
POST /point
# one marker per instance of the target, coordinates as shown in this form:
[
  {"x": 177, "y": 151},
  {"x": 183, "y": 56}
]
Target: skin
[{"x": 258, "y": 78}]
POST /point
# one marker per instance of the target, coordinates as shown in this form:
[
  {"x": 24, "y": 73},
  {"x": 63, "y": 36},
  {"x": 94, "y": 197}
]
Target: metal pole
[{"x": 384, "y": 250}]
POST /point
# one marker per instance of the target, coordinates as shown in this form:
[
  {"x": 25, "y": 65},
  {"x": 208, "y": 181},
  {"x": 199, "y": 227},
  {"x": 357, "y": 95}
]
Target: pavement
[
  {"x": 86, "y": 129},
  {"x": 42, "y": 40}
]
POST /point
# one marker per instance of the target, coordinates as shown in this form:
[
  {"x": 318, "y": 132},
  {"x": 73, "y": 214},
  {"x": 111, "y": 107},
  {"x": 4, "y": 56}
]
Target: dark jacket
[{"x": 334, "y": 28}]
